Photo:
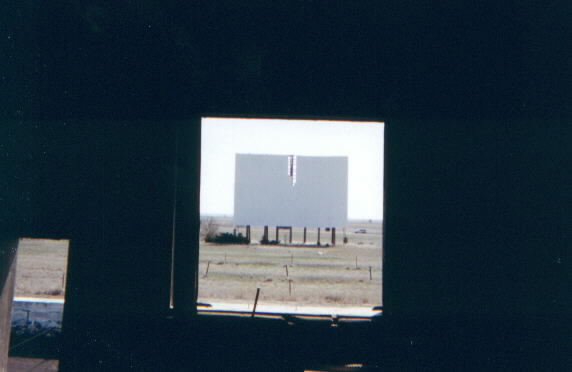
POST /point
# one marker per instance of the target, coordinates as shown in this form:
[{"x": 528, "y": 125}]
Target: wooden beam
[{"x": 8, "y": 249}]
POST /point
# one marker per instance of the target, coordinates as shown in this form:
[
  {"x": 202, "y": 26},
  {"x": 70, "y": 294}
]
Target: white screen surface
[{"x": 266, "y": 194}]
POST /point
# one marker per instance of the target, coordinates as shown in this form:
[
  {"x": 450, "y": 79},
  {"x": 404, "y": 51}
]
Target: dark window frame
[{"x": 186, "y": 221}]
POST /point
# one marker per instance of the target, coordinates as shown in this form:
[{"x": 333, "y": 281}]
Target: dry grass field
[
  {"x": 303, "y": 275},
  {"x": 41, "y": 267},
  {"x": 312, "y": 275}
]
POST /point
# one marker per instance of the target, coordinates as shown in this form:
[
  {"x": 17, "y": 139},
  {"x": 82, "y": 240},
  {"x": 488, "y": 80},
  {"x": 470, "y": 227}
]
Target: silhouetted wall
[
  {"x": 475, "y": 218},
  {"x": 476, "y": 215}
]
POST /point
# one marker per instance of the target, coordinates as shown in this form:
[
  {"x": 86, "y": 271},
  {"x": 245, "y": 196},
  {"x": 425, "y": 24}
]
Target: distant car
[{"x": 360, "y": 231}]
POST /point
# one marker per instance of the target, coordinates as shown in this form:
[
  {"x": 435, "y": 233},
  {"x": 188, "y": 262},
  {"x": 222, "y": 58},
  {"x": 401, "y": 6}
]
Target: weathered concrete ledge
[{"x": 37, "y": 312}]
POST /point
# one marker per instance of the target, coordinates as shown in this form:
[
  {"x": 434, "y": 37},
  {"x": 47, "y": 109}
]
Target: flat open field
[
  {"x": 41, "y": 267},
  {"x": 333, "y": 276},
  {"x": 313, "y": 276}
]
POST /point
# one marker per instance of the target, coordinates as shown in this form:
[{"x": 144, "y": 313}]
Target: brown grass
[
  {"x": 319, "y": 275},
  {"x": 41, "y": 268}
]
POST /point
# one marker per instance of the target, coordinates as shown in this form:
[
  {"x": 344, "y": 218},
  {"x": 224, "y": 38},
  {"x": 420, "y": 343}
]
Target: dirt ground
[{"x": 316, "y": 275}]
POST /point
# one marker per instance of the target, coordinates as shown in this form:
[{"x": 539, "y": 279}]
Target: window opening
[
  {"x": 39, "y": 296},
  {"x": 315, "y": 248}
]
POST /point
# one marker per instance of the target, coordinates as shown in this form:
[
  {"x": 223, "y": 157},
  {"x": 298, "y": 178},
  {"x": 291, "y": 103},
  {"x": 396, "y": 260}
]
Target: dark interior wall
[
  {"x": 475, "y": 218},
  {"x": 475, "y": 101},
  {"x": 475, "y": 228},
  {"x": 170, "y": 59},
  {"x": 107, "y": 186}
]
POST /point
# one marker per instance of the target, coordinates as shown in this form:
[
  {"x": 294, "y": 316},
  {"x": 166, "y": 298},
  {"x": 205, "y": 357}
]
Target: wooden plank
[{"x": 8, "y": 249}]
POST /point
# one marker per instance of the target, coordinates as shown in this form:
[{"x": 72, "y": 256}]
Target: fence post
[
  {"x": 255, "y": 302},
  {"x": 207, "y": 272}
]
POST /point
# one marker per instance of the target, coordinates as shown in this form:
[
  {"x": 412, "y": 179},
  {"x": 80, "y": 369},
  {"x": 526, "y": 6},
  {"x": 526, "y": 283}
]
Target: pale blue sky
[{"x": 361, "y": 142}]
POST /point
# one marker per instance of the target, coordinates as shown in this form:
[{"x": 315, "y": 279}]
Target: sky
[{"x": 361, "y": 142}]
